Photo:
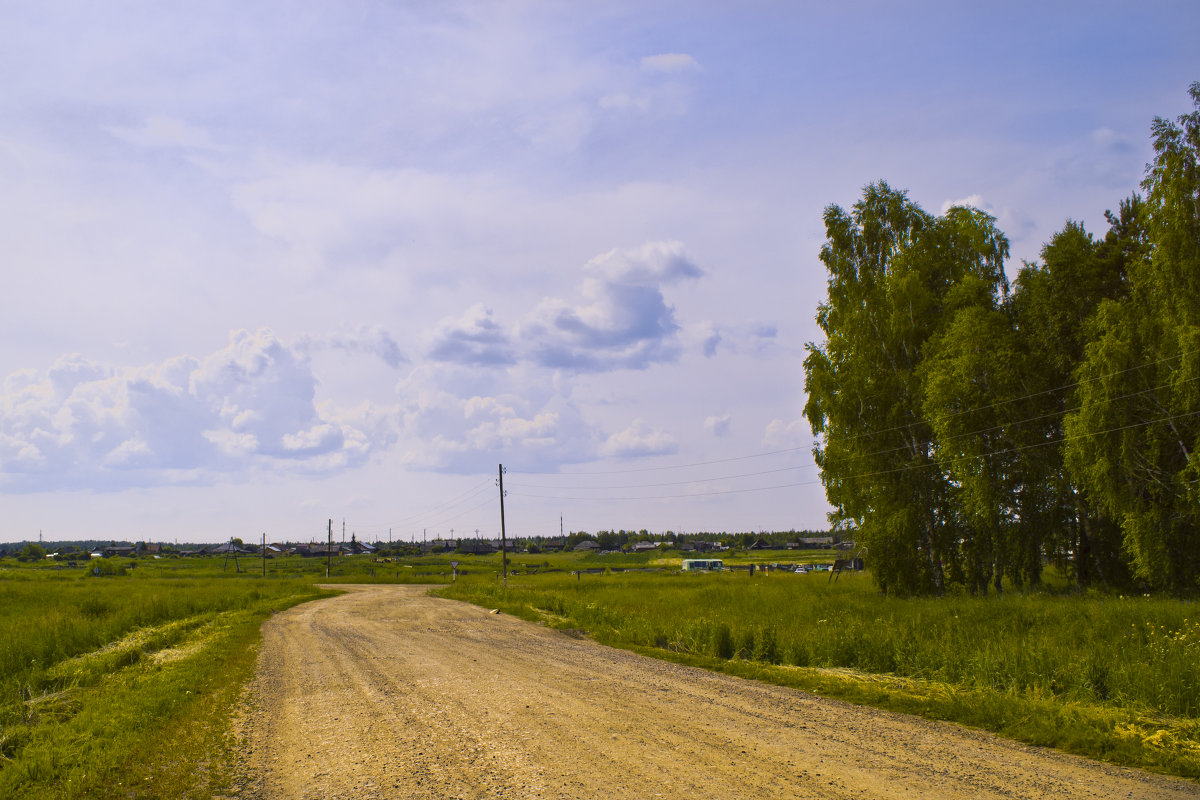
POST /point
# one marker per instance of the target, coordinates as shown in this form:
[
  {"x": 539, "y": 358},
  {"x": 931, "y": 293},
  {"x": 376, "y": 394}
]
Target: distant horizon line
[{"x": 181, "y": 542}]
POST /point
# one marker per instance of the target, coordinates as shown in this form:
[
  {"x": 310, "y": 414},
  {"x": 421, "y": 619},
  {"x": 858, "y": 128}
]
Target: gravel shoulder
[{"x": 386, "y": 692}]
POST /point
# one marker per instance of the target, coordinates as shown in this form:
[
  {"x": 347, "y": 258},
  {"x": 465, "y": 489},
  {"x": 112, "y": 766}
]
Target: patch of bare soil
[{"x": 385, "y": 692}]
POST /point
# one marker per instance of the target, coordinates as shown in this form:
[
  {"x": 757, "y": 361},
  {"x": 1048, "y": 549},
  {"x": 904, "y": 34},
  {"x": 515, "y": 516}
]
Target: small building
[
  {"x": 703, "y": 565},
  {"x": 816, "y": 542},
  {"x": 587, "y": 545},
  {"x": 315, "y": 550}
]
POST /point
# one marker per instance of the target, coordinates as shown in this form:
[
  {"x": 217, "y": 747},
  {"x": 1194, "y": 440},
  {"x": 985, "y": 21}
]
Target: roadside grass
[
  {"x": 1104, "y": 676},
  {"x": 123, "y": 685}
]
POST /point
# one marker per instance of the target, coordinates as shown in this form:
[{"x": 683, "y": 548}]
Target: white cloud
[
  {"x": 1014, "y": 224},
  {"x": 971, "y": 201},
  {"x": 753, "y": 339},
  {"x": 651, "y": 264},
  {"x": 368, "y": 339},
  {"x": 718, "y": 426},
  {"x": 515, "y": 417},
  {"x": 780, "y": 434},
  {"x": 639, "y": 439},
  {"x": 624, "y": 322},
  {"x": 249, "y": 404},
  {"x": 473, "y": 338}
]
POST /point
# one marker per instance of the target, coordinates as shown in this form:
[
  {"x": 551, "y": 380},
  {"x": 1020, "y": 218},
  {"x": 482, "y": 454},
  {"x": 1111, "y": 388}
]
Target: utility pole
[
  {"x": 343, "y": 530},
  {"x": 329, "y": 549},
  {"x": 264, "y": 554},
  {"x": 503, "y": 536}
]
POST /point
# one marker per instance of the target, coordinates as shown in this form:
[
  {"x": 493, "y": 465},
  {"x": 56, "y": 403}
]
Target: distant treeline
[
  {"x": 614, "y": 540},
  {"x": 971, "y": 430},
  {"x": 607, "y": 540}
]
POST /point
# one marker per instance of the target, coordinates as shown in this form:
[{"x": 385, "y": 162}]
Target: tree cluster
[{"x": 970, "y": 431}]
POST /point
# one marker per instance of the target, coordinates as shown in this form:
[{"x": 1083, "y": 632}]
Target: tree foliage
[
  {"x": 897, "y": 275},
  {"x": 969, "y": 433},
  {"x": 1134, "y": 439}
]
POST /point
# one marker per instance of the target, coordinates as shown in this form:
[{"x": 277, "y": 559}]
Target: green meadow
[{"x": 124, "y": 684}]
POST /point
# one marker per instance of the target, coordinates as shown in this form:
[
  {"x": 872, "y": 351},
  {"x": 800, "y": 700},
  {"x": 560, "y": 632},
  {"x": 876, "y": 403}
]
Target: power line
[
  {"x": 932, "y": 464},
  {"x": 1028, "y": 396},
  {"x": 666, "y": 467}
]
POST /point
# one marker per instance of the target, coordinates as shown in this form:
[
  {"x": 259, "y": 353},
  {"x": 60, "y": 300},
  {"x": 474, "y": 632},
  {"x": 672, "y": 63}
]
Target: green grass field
[{"x": 124, "y": 684}]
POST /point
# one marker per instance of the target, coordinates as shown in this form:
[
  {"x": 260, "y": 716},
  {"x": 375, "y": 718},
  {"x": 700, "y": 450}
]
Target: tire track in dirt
[{"x": 385, "y": 692}]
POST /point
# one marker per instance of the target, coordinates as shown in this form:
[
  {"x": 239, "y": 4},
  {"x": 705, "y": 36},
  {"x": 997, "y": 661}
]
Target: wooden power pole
[{"x": 503, "y": 537}]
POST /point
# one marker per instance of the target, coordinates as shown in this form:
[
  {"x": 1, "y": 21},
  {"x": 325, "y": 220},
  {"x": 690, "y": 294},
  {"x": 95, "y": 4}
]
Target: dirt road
[{"x": 387, "y": 693}]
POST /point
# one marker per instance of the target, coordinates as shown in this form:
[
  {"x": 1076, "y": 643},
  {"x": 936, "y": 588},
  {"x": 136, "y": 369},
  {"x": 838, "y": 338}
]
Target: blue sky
[{"x": 268, "y": 264}]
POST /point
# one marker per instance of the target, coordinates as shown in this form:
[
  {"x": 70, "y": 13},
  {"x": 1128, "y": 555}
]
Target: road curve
[{"x": 385, "y": 692}]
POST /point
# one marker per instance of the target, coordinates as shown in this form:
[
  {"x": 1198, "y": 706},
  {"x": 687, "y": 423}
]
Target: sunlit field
[
  {"x": 122, "y": 684},
  {"x": 152, "y": 655}
]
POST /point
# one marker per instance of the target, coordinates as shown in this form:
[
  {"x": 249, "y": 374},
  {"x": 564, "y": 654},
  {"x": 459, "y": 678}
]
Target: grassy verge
[
  {"x": 1109, "y": 677},
  {"x": 123, "y": 686}
]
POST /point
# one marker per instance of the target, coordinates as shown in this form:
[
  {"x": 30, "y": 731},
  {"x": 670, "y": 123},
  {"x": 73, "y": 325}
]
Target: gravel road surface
[{"x": 385, "y": 692}]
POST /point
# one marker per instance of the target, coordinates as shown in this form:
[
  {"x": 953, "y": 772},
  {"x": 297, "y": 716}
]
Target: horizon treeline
[{"x": 971, "y": 431}]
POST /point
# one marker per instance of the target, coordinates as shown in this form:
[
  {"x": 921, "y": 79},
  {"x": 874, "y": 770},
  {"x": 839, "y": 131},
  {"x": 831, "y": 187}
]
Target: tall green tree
[
  {"x": 972, "y": 379},
  {"x": 1134, "y": 442},
  {"x": 891, "y": 269},
  {"x": 1051, "y": 306}
]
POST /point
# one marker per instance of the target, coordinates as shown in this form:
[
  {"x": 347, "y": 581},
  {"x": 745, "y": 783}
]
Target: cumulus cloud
[
  {"x": 639, "y": 439},
  {"x": 652, "y": 264},
  {"x": 624, "y": 321},
  {"x": 513, "y": 417},
  {"x": 185, "y": 419},
  {"x": 254, "y": 403},
  {"x": 718, "y": 426},
  {"x": 670, "y": 63},
  {"x": 474, "y": 338},
  {"x": 368, "y": 340}
]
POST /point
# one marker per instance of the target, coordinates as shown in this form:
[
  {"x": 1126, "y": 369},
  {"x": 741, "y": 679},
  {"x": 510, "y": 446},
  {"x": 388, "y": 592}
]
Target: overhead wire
[
  {"x": 932, "y": 464},
  {"x": 517, "y": 485},
  {"x": 881, "y": 431}
]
